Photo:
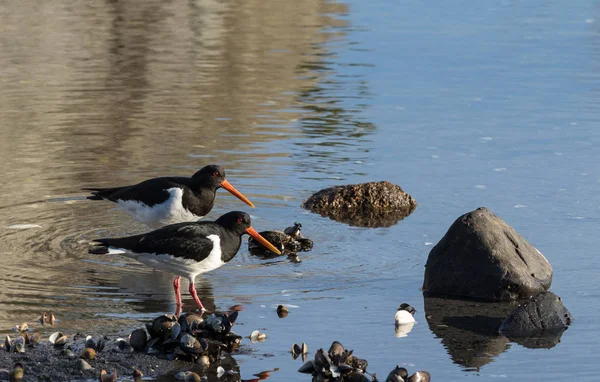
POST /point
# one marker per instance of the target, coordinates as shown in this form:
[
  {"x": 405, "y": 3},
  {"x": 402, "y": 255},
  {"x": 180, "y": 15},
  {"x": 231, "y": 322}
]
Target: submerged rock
[
  {"x": 373, "y": 204},
  {"x": 482, "y": 257},
  {"x": 540, "y": 319}
]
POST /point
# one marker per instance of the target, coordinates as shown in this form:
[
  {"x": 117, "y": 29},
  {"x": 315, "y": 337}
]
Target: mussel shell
[
  {"x": 161, "y": 326},
  {"x": 254, "y": 336},
  {"x": 193, "y": 322},
  {"x": 88, "y": 353},
  {"x": 296, "y": 350},
  {"x": 232, "y": 317},
  {"x": 18, "y": 345},
  {"x": 360, "y": 364},
  {"x": 204, "y": 361},
  {"x": 138, "y": 339},
  {"x": 192, "y": 345},
  {"x": 176, "y": 330},
  {"x": 187, "y": 376},
  {"x": 123, "y": 345},
  {"x": 150, "y": 345},
  {"x": 33, "y": 339},
  {"x": 23, "y": 327},
  {"x": 105, "y": 377},
  {"x": 356, "y": 376},
  {"x": 322, "y": 360},
  {"x": 17, "y": 373},
  {"x": 54, "y": 336},
  {"x": 8, "y": 343},
  {"x": 305, "y": 244},
  {"x": 308, "y": 367},
  {"x": 47, "y": 318},
  {"x": 336, "y": 348},
  {"x": 282, "y": 311},
  {"x": 137, "y": 375}
]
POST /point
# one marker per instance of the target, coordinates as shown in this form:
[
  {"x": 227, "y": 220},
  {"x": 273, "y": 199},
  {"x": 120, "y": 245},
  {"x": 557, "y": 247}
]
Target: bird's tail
[
  {"x": 100, "y": 247},
  {"x": 101, "y": 193}
]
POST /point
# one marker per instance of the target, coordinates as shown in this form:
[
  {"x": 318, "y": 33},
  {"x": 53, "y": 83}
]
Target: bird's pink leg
[
  {"x": 177, "y": 287},
  {"x": 195, "y": 296}
]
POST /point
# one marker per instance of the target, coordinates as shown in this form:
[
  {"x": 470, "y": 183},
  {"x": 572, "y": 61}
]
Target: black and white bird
[
  {"x": 186, "y": 249},
  {"x": 167, "y": 200},
  {"x": 404, "y": 315}
]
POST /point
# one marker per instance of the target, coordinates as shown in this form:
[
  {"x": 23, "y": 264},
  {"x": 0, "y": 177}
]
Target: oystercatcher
[
  {"x": 186, "y": 249},
  {"x": 167, "y": 200}
]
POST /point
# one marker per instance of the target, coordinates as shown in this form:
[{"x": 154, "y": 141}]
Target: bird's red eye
[
  {"x": 216, "y": 173},
  {"x": 240, "y": 220}
]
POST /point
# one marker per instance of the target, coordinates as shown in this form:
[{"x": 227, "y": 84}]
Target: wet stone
[
  {"x": 373, "y": 204},
  {"x": 538, "y": 322},
  {"x": 482, "y": 257}
]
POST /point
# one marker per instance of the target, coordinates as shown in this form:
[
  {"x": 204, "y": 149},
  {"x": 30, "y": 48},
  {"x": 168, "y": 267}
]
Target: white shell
[
  {"x": 221, "y": 371},
  {"x": 54, "y": 336}
]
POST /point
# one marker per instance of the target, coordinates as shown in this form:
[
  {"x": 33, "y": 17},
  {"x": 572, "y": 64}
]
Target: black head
[
  {"x": 210, "y": 176},
  {"x": 408, "y": 308},
  {"x": 236, "y": 221}
]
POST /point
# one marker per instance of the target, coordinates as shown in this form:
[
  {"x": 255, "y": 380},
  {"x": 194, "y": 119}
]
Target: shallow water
[{"x": 462, "y": 104}]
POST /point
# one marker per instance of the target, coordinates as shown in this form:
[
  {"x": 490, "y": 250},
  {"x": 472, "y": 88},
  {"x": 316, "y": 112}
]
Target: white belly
[
  {"x": 170, "y": 211},
  {"x": 403, "y": 317},
  {"x": 177, "y": 265}
]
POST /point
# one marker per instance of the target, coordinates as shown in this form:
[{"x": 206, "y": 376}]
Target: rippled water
[{"x": 462, "y": 104}]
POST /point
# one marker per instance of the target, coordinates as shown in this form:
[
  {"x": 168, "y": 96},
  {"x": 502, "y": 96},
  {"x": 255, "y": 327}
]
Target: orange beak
[
  {"x": 226, "y": 185},
  {"x": 252, "y": 232}
]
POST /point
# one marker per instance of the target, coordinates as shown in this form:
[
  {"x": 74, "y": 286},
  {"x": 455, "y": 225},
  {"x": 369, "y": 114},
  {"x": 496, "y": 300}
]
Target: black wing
[
  {"x": 150, "y": 192},
  {"x": 184, "y": 240}
]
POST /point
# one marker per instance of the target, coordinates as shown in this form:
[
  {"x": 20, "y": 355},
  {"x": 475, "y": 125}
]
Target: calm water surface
[{"x": 462, "y": 104}]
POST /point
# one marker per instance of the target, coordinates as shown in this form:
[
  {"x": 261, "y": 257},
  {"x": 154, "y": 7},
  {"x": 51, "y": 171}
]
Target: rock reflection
[
  {"x": 468, "y": 329},
  {"x": 370, "y": 219},
  {"x": 540, "y": 341}
]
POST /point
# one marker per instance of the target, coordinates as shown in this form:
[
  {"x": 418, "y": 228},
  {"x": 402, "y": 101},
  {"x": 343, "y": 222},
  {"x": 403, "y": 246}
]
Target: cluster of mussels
[
  {"x": 337, "y": 364},
  {"x": 189, "y": 337},
  {"x": 289, "y": 242},
  {"x": 25, "y": 337},
  {"x": 340, "y": 365}
]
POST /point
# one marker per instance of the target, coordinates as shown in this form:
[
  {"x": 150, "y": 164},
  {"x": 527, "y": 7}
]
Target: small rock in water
[{"x": 373, "y": 204}]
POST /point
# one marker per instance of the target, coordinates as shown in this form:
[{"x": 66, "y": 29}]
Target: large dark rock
[
  {"x": 373, "y": 204},
  {"x": 542, "y": 316},
  {"x": 482, "y": 257}
]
